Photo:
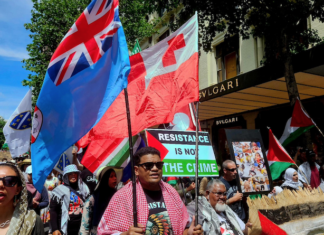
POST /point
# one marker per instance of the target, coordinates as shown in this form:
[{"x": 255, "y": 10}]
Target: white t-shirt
[{"x": 225, "y": 227}]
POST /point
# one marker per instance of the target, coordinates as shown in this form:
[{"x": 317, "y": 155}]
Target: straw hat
[
  {"x": 103, "y": 170},
  {"x": 24, "y": 162}
]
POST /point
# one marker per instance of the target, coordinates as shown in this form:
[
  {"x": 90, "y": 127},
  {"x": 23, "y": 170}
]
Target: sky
[{"x": 14, "y": 39}]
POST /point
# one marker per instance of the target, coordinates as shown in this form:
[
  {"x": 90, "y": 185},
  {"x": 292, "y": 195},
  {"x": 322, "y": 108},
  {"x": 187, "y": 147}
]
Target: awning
[{"x": 264, "y": 87}]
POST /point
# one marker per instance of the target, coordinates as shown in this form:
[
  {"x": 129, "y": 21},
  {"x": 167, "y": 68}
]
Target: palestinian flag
[
  {"x": 172, "y": 180},
  {"x": 261, "y": 225},
  {"x": 299, "y": 123},
  {"x": 279, "y": 160}
]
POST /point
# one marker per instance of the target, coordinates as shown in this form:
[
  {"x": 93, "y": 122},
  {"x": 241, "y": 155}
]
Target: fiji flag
[{"x": 86, "y": 73}]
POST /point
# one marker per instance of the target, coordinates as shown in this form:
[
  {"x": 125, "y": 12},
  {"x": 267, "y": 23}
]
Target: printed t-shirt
[
  {"x": 225, "y": 225},
  {"x": 231, "y": 190},
  {"x": 158, "y": 222},
  {"x": 75, "y": 213}
]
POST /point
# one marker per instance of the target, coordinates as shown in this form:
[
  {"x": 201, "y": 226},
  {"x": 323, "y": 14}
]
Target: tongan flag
[
  {"x": 163, "y": 79},
  {"x": 85, "y": 75}
]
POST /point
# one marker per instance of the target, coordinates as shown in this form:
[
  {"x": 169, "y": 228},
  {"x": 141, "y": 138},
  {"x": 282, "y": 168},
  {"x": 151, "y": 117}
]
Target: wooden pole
[
  {"x": 196, "y": 171},
  {"x": 131, "y": 157}
]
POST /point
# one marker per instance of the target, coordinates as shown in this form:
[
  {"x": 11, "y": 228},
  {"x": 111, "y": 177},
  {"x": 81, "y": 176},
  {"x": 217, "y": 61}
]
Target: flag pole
[
  {"x": 131, "y": 157},
  {"x": 196, "y": 170},
  {"x": 318, "y": 129}
]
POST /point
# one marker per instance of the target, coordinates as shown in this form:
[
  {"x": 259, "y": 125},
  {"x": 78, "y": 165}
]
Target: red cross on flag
[{"x": 163, "y": 79}]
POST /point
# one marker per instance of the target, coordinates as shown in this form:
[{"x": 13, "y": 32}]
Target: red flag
[
  {"x": 268, "y": 227},
  {"x": 161, "y": 84},
  {"x": 163, "y": 79},
  {"x": 300, "y": 118}
]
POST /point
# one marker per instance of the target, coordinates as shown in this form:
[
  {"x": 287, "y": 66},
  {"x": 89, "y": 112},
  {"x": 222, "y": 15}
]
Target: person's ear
[
  {"x": 136, "y": 170},
  {"x": 207, "y": 194},
  {"x": 19, "y": 188}
]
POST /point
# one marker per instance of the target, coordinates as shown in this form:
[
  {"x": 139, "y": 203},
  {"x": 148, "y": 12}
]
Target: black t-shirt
[
  {"x": 231, "y": 188},
  {"x": 89, "y": 179},
  {"x": 158, "y": 222}
]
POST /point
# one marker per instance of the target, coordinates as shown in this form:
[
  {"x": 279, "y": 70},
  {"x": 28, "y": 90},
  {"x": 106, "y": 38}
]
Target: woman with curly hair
[{"x": 15, "y": 218}]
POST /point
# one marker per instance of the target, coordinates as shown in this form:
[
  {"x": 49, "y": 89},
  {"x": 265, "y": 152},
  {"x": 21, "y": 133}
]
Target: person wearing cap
[
  {"x": 108, "y": 179},
  {"x": 308, "y": 172},
  {"x": 40, "y": 200},
  {"x": 66, "y": 206}
]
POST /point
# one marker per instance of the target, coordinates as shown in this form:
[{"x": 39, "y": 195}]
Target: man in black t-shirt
[
  {"x": 234, "y": 197},
  {"x": 165, "y": 213}
]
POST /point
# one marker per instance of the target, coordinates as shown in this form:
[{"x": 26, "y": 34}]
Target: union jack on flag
[
  {"x": 86, "y": 42},
  {"x": 86, "y": 73}
]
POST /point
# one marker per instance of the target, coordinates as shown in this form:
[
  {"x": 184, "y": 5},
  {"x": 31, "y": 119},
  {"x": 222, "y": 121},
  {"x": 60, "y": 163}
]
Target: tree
[
  {"x": 280, "y": 23},
  {"x": 51, "y": 20},
  {"x": 2, "y": 138}
]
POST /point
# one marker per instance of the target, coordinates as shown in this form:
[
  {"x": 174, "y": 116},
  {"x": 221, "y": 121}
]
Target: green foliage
[
  {"x": 133, "y": 15},
  {"x": 2, "y": 138},
  {"x": 51, "y": 20},
  {"x": 281, "y": 23}
]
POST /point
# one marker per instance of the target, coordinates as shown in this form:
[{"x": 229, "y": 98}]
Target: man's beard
[{"x": 220, "y": 207}]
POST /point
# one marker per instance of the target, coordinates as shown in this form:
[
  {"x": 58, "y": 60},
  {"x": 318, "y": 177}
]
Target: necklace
[{"x": 5, "y": 223}]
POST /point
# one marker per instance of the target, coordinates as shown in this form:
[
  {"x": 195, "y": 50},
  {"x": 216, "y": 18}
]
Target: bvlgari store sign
[
  {"x": 220, "y": 88},
  {"x": 226, "y": 121}
]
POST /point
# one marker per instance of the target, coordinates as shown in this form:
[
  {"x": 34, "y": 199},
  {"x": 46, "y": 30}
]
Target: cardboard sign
[{"x": 178, "y": 150}]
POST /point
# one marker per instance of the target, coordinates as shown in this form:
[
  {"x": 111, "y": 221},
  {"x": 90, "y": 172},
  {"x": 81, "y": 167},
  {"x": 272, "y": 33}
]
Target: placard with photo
[{"x": 252, "y": 165}]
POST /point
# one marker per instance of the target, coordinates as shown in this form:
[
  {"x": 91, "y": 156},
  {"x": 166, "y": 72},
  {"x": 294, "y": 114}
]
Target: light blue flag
[{"x": 86, "y": 73}]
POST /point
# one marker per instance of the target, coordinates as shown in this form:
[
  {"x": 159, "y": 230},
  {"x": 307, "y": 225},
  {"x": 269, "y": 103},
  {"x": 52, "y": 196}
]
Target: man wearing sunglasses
[
  {"x": 234, "y": 197},
  {"x": 217, "y": 217},
  {"x": 159, "y": 206}
]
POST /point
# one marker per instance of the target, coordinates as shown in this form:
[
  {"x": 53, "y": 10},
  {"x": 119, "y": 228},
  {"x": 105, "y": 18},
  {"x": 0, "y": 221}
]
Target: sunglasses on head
[
  {"x": 9, "y": 181},
  {"x": 150, "y": 165},
  {"x": 232, "y": 170}
]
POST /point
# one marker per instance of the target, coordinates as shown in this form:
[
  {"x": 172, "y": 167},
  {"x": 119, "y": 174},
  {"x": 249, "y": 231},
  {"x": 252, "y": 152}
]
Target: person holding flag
[{"x": 159, "y": 206}]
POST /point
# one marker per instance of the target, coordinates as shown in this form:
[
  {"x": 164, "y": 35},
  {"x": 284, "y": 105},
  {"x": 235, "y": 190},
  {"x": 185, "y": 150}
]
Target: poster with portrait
[{"x": 247, "y": 151}]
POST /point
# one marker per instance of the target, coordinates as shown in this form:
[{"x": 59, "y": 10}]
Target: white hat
[{"x": 29, "y": 170}]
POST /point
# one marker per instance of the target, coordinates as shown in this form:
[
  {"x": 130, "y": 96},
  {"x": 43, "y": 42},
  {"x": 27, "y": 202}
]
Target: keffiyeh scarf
[
  {"x": 118, "y": 216},
  {"x": 208, "y": 218},
  {"x": 62, "y": 195}
]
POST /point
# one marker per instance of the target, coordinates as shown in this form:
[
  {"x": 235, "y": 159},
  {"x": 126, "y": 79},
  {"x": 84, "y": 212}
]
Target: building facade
[{"x": 237, "y": 92}]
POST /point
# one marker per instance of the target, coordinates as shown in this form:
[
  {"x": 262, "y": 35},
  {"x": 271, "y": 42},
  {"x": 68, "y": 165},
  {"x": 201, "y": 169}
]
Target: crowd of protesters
[{"x": 78, "y": 202}]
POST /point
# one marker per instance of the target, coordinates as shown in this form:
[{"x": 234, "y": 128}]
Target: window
[
  {"x": 164, "y": 35},
  {"x": 227, "y": 60}
]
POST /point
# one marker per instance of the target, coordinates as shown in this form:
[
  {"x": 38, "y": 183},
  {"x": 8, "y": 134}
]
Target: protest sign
[
  {"x": 178, "y": 150},
  {"x": 247, "y": 151}
]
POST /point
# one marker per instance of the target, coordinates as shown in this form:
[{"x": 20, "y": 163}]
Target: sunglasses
[
  {"x": 150, "y": 165},
  {"x": 231, "y": 170},
  {"x": 220, "y": 193},
  {"x": 9, "y": 181}
]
